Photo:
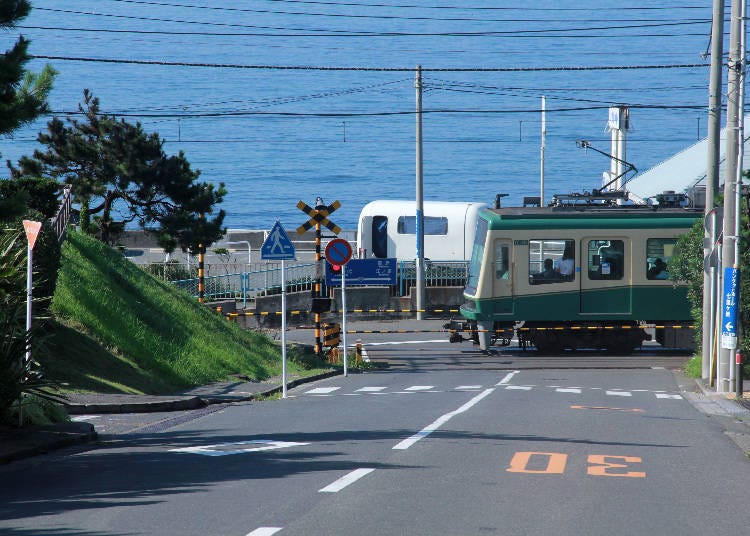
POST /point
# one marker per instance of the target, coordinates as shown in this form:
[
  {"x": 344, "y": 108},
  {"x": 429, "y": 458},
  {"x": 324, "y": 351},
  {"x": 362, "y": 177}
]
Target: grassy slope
[{"x": 118, "y": 329}]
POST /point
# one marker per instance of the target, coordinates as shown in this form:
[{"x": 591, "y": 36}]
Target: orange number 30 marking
[
  {"x": 555, "y": 463},
  {"x": 600, "y": 466}
]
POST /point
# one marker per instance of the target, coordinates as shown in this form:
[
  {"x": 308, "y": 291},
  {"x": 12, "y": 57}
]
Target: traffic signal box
[{"x": 331, "y": 334}]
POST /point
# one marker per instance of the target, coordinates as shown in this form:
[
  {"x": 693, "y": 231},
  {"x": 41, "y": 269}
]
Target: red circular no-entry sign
[{"x": 338, "y": 251}]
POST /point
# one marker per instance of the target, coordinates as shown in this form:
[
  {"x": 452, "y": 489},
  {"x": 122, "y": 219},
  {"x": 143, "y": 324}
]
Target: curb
[
  {"x": 49, "y": 438},
  {"x": 184, "y": 404},
  {"x": 270, "y": 392},
  {"x": 194, "y": 402}
]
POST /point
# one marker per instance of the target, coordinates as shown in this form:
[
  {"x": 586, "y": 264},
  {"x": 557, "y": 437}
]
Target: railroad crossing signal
[{"x": 318, "y": 216}]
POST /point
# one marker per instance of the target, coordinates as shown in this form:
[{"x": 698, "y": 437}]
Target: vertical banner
[{"x": 729, "y": 308}]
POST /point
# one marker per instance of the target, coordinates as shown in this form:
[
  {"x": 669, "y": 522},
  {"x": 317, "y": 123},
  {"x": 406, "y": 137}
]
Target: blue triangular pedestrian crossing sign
[{"x": 277, "y": 246}]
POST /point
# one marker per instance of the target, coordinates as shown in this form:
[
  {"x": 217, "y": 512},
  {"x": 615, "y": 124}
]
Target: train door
[
  {"x": 502, "y": 269},
  {"x": 605, "y": 275},
  {"x": 379, "y": 234}
]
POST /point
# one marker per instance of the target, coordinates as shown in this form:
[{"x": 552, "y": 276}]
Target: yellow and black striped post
[
  {"x": 201, "y": 279},
  {"x": 316, "y": 294},
  {"x": 318, "y": 217}
]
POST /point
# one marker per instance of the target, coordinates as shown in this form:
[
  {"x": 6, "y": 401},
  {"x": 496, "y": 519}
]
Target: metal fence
[
  {"x": 246, "y": 286},
  {"x": 436, "y": 274},
  {"x": 265, "y": 279}
]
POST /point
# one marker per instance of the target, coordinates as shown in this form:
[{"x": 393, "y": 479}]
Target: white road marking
[
  {"x": 507, "y": 378},
  {"x": 519, "y": 387},
  {"x": 665, "y": 395},
  {"x": 264, "y": 531},
  {"x": 618, "y": 393},
  {"x": 406, "y": 443},
  {"x": 371, "y": 389},
  {"x": 225, "y": 449},
  {"x": 468, "y": 387},
  {"x": 345, "y": 480},
  {"x": 575, "y": 390},
  {"x": 419, "y": 388},
  {"x": 83, "y": 418},
  {"x": 322, "y": 390}
]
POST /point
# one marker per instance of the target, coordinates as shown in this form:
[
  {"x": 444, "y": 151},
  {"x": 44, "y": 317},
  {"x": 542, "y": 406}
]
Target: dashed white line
[
  {"x": 419, "y": 388},
  {"x": 575, "y": 390},
  {"x": 322, "y": 390},
  {"x": 618, "y": 393},
  {"x": 665, "y": 395},
  {"x": 264, "y": 531},
  {"x": 424, "y": 432},
  {"x": 468, "y": 387},
  {"x": 346, "y": 480},
  {"x": 371, "y": 389},
  {"x": 518, "y": 387}
]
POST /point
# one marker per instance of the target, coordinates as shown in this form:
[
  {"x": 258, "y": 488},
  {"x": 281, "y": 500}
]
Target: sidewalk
[{"x": 19, "y": 443}]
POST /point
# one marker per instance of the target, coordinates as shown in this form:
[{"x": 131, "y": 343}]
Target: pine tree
[{"x": 23, "y": 95}]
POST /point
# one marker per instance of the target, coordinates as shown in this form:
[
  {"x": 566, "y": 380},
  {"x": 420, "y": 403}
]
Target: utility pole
[
  {"x": 712, "y": 186},
  {"x": 420, "y": 201},
  {"x": 729, "y": 259},
  {"x": 541, "y": 151}
]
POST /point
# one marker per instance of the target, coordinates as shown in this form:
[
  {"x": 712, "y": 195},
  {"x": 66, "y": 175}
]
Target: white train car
[{"x": 387, "y": 229}]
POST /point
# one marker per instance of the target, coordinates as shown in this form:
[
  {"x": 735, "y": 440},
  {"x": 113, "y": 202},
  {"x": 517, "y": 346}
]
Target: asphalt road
[{"x": 444, "y": 441}]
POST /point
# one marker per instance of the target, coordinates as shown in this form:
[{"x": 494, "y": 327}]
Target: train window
[
  {"x": 380, "y": 236},
  {"x": 659, "y": 252},
  {"x": 606, "y": 259},
  {"x": 551, "y": 261},
  {"x": 477, "y": 254},
  {"x": 433, "y": 225},
  {"x": 502, "y": 261}
]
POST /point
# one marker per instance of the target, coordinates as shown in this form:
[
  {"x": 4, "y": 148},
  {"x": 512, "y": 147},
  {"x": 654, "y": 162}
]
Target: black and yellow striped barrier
[
  {"x": 353, "y": 311},
  {"x": 505, "y": 331},
  {"x": 498, "y": 331}
]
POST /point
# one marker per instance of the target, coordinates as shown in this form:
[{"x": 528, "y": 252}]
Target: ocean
[{"x": 291, "y": 100}]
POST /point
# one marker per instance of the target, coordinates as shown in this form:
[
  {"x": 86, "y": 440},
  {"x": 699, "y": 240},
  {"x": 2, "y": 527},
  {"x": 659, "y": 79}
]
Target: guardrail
[
  {"x": 247, "y": 285},
  {"x": 60, "y": 221}
]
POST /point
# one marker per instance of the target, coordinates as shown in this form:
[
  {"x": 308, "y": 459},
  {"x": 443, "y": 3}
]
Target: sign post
[
  {"x": 338, "y": 252},
  {"x": 32, "y": 229},
  {"x": 277, "y": 246},
  {"x": 318, "y": 216}
]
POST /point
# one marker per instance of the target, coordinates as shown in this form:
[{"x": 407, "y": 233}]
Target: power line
[
  {"x": 369, "y": 16},
  {"x": 355, "y": 35},
  {"x": 248, "y": 113},
  {"x": 376, "y": 69},
  {"x": 426, "y": 7},
  {"x": 387, "y": 34}
]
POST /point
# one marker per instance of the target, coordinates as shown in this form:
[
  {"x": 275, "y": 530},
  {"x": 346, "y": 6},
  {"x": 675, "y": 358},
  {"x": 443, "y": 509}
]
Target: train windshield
[{"x": 477, "y": 253}]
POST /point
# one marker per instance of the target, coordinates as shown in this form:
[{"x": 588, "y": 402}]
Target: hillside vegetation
[{"x": 119, "y": 329}]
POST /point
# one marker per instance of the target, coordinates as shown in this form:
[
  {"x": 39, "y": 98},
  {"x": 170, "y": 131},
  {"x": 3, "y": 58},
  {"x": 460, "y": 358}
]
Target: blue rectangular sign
[
  {"x": 729, "y": 308},
  {"x": 365, "y": 272}
]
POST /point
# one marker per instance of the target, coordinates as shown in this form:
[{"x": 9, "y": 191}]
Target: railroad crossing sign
[
  {"x": 318, "y": 216},
  {"x": 338, "y": 251},
  {"x": 277, "y": 245}
]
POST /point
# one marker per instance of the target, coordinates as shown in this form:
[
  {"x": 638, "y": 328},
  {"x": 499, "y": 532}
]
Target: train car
[
  {"x": 387, "y": 229},
  {"x": 567, "y": 277}
]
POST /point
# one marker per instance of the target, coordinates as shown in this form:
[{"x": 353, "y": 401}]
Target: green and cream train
[{"x": 578, "y": 276}]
